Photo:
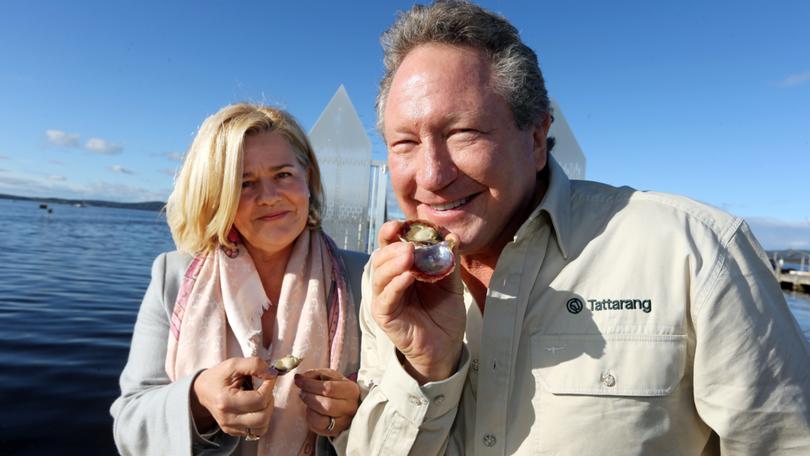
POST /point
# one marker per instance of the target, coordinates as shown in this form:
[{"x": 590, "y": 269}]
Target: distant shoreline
[{"x": 144, "y": 206}]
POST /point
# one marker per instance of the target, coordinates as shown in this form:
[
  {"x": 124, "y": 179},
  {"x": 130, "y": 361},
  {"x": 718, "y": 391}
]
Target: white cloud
[
  {"x": 121, "y": 169},
  {"x": 61, "y": 138},
  {"x": 102, "y": 146},
  {"x": 10, "y": 183},
  {"x": 168, "y": 171},
  {"x": 3, "y": 157},
  {"x": 795, "y": 79},
  {"x": 95, "y": 145},
  {"x": 176, "y": 156},
  {"x": 775, "y": 234},
  {"x": 121, "y": 192},
  {"x": 27, "y": 185},
  {"x": 57, "y": 178}
]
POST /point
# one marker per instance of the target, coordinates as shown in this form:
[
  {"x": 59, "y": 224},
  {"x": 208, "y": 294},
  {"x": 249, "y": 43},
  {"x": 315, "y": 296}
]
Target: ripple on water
[{"x": 70, "y": 287}]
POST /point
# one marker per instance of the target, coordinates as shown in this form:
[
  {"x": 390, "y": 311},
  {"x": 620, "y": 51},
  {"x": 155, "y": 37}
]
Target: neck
[
  {"x": 271, "y": 267},
  {"x": 477, "y": 268}
]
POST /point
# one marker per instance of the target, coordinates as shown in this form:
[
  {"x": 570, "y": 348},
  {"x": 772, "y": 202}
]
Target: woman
[{"x": 254, "y": 279}]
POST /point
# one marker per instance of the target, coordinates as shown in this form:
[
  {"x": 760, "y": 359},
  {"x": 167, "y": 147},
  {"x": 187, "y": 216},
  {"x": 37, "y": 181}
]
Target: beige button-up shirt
[{"x": 617, "y": 322}]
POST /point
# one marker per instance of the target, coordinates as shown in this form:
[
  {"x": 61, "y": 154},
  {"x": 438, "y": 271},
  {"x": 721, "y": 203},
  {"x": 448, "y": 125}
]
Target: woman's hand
[
  {"x": 218, "y": 397},
  {"x": 328, "y": 396}
]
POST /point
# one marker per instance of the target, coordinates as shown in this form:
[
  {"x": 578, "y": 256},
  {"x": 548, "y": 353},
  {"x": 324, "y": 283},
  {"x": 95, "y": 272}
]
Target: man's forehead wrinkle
[{"x": 414, "y": 100}]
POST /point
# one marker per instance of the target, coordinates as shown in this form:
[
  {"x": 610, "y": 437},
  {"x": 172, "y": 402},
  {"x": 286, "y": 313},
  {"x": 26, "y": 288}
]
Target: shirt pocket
[{"x": 609, "y": 364}]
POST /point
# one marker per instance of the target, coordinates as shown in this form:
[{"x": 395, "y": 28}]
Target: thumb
[
  {"x": 268, "y": 383},
  {"x": 241, "y": 371}
]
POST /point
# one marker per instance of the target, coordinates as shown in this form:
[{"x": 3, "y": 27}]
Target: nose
[
  {"x": 268, "y": 192},
  {"x": 436, "y": 168}
]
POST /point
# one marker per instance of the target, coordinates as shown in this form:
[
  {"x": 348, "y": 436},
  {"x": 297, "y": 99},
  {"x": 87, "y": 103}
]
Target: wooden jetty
[
  {"x": 794, "y": 280},
  {"x": 790, "y": 271}
]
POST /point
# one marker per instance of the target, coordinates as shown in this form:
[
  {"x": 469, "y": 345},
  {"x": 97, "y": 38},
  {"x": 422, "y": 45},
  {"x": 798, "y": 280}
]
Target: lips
[
  {"x": 448, "y": 206},
  {"x": 451, "y": 204},
  {"x": 272, "y": 216}
]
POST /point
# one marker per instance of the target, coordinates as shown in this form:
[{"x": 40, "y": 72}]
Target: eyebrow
[{"x": 271, "y": 169}]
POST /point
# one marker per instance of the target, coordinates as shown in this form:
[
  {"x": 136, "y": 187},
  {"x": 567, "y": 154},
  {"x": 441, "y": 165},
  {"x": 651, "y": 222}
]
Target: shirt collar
[{"x": 556, "y": 203}]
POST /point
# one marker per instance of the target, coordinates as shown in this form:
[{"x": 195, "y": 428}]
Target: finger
[
  {"x": 389, "y": 232},
  {"x": 241, "y": 401},
  {"x": 388, "y": 263},
  {"x": 238, "y": 372},
  {"x": 243, "y": 431},
  {"x": 341, "y": 424},
  {"x": 316, "y": 382},
  {"x": 319, "y": 424},
  {"x": 328, "y": 406},
  {"x": 322, "y": 374},
  {"x": 241, "y": 397},
  {"x": 253, "y": 366},
  {"x": 398, "y": 256},
  {"x": 452, "y": 240},
  {"x": 389, "y": 301},
  {"x": 258, "y": 422},
  {"x": 234, "y": 431},
  {"x": 266, "y": 391}
]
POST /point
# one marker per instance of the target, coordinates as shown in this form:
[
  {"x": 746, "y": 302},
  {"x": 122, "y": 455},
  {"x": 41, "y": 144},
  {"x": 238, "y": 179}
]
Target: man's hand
[{"x": 426, "y": 322}]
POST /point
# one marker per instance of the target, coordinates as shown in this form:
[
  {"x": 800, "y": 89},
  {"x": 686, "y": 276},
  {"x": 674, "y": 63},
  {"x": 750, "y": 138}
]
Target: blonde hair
[{"x": 202, "y": 207}]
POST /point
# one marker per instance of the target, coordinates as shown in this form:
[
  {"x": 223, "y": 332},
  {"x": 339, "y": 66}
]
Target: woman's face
[{"x": 274, "y": 202}]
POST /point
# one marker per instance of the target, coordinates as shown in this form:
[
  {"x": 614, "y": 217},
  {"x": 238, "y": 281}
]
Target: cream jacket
[{"x": 617, "y": 322}]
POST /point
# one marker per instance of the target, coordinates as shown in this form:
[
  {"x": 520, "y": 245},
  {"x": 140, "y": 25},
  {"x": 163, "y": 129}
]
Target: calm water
[{"x": 70, "y": 286}]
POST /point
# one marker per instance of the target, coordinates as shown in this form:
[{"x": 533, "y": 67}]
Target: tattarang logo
[{"x": 574, "y": 305}]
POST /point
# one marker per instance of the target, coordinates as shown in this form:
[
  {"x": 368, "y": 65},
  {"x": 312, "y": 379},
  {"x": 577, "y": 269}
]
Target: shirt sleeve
[
  {"x": 752, "y": 363},
  {"x": 397, "y": 416},
  {"x": 153, "y": 415}
]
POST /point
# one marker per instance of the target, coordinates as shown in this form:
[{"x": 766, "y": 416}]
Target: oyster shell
[
  {"x": 433, "y": 254},
  {"x": 284, "y": 365}
]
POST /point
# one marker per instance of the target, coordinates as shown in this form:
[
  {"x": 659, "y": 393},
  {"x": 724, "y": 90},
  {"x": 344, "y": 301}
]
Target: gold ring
[
  {"x": 331, "y": 426},
  {"x": 250, "y": 437}
]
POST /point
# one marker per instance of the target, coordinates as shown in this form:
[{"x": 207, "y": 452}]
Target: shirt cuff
[{"x": 431, "y": 400}]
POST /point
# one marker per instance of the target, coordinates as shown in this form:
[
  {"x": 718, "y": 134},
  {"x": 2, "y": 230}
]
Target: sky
[{"x": 100, "y": 99}]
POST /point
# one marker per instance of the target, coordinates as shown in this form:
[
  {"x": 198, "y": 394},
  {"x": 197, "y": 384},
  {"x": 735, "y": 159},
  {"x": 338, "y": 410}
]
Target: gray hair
[{"x": 516, "y": 73}]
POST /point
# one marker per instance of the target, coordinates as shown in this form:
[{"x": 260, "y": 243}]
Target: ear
[{"x": 539, "y": 135}]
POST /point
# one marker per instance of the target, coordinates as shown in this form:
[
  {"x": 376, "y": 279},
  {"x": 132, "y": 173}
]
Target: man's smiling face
[{"x": 456, "y": 156}]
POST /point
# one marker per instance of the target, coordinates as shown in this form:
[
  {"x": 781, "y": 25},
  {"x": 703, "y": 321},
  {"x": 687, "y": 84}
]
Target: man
[{"x": 583, "y": 318}]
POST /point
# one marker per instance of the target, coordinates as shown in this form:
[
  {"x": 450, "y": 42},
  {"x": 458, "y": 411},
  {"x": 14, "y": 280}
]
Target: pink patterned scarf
[{"x": 315, "y": 320}]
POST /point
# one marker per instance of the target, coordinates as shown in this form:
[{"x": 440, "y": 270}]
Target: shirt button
[
  {"x": 414, "y": 400},
  {"x": 489, "y": 440},
  {"x": 438, "y": 399},
  {"x": 475, "y": 365},
  {"x": 608, "y": 380}
]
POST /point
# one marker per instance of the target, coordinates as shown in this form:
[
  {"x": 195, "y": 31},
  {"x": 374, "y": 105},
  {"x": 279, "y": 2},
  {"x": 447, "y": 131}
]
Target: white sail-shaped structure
[
  {"x": 566, "y": 150},
  {"x": 356, "y": 187},
  {"x": 344, "y": 155}
]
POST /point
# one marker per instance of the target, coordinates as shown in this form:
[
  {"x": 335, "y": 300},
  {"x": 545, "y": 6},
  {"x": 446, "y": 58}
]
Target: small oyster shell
[
  {"x": 284, "y": 365},
  {"x": 433, "y": 255}
]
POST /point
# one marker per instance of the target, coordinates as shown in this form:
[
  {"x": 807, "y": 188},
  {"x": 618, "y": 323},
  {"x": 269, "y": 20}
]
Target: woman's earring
[
  {"x": 233, "y": 235},
  {"x": 234, "y": 238}
]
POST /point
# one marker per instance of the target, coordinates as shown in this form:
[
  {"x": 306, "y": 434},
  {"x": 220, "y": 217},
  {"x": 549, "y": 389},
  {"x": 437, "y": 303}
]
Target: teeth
[{"x": 450, "y": 205}]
